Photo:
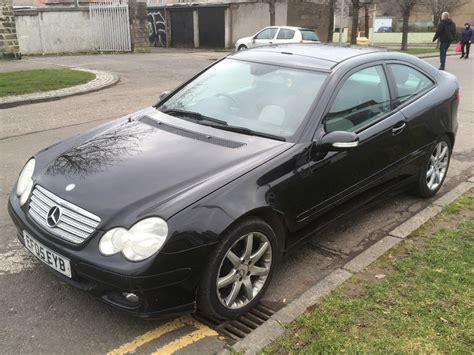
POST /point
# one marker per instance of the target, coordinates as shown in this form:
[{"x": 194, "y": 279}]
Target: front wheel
[
  {"x": 242, "y": 47},
  {"x": 239, "y": 271},
  {"x": 433, "y": 172}
]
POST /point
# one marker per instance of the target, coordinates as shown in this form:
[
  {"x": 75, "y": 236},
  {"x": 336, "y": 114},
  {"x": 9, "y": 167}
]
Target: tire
[
  {"x": 237, "y": 275},
  {"x": 434, "y": 169},
  {"x": 242, "y": 47}
]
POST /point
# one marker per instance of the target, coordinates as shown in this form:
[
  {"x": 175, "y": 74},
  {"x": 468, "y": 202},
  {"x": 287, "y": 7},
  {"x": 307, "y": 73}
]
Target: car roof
[
  {"x": 314, "y": 56},
  {"x": 291, "y": 27}
]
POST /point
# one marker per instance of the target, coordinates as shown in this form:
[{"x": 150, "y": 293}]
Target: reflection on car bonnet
[{"x": 272, "y": 114}]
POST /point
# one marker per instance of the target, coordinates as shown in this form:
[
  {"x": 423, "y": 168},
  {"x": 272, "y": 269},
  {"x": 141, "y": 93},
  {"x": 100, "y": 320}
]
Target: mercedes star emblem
[{"x": 53, "y": 216}]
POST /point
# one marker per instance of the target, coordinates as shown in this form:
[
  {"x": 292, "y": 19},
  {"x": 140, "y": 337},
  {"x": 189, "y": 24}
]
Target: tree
[
  {"x": 440, "y": 6},
  {"x": 332, "y": 10},
  {"x": 406, "y": 6},
  {"x": 366, "y": 21},
  {"x": 355, "y": 20}
]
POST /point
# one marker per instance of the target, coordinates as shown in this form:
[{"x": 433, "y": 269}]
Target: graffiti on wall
[{"x": 157, "y": 28}]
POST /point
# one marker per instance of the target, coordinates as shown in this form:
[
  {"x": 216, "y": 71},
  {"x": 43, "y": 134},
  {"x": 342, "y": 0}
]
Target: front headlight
[
  {"x": 144, "y": 239},
  {"x": 25, "y": 182}
]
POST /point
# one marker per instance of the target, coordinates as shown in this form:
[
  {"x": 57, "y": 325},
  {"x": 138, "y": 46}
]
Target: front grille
[{"x": 75, "y": 224}]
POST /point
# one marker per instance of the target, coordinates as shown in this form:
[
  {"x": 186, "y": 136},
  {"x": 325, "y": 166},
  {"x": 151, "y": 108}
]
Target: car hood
[{"x": 153, "y": 165}]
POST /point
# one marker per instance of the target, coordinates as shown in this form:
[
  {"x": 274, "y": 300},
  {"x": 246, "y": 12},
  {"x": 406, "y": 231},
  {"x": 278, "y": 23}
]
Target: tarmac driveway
[{"x": 42, "y": 314}]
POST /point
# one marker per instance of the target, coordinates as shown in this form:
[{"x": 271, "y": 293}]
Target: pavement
[{"x": 42, "y": 314}]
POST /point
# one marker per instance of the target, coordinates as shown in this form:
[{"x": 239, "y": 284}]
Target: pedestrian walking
[
  {"x": 446, "y": 32},
  {"x": 466, "y": 39}
]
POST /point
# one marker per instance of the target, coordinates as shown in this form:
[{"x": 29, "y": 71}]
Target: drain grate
[{"x": 236, "y": 329}]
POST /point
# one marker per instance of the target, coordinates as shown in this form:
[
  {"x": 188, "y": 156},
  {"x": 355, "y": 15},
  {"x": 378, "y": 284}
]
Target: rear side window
[
  {"x": 286, "y": 33},
  {"x": 309, "y": 35},
  {"x": 362, "y": 99},
  {"x": 268, "y": 33},
  {"x": 409, "y": 81}
]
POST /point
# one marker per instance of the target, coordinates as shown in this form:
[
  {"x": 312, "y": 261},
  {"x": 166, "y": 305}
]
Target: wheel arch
[
  {"x": 451, "y": 138},
  {"x": 270, "y": 216}
]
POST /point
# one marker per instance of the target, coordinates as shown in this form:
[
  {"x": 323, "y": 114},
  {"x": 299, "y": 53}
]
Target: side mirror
[
  {"x": 338, "y": 141},
  {"x": 253, "y": 40},
  {"x": 164, "y": 95}
]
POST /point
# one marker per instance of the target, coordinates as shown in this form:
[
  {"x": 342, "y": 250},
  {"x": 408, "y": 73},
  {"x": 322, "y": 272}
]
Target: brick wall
[{"x": 8, "y": 40}]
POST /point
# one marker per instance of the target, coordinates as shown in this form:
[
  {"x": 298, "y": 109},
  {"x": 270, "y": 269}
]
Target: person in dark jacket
[
  {"x": 466, "y": 39},
  {"x": 446, "y": 32}
]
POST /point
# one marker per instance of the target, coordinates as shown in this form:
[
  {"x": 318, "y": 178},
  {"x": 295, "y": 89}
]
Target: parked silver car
[{"x": 278, "y": 35}]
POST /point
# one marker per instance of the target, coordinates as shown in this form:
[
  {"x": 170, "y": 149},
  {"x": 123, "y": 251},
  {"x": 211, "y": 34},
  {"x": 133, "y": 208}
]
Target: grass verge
[
  {"x": 422, "y": 51},
  {"x": 29, "y": 81},
  {"x": 417, "y": 298},
  {"x": 418, "y": 51}
]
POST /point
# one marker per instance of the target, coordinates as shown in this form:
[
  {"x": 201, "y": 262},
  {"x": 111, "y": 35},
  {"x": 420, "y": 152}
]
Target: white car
[{"x": 278, "y": 35}]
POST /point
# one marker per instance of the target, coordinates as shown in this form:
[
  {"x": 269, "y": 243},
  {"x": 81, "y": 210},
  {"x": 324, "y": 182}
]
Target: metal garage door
[
  {"x": 182, "y": 32},
  {"x": 211, "y": 27},
  {"x": 110, "y": 25}
]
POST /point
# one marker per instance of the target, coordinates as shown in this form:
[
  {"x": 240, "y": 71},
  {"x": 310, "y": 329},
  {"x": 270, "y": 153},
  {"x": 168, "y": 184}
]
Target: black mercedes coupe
[{"x": 191, "y": 203}]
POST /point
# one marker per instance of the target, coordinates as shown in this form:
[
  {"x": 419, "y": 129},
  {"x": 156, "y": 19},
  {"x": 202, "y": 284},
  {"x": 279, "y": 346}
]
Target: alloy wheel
[
  {"x": 244, "y": 270},
  {"x": 438, "y": 166}
]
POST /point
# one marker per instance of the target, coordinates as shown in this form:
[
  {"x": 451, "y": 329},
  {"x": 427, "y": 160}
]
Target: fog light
[{"x": 130, "y": 297}]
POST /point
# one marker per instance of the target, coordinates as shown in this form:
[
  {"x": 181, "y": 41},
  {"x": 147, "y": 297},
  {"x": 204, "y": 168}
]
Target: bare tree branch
[{"x": 440, "y": 6}]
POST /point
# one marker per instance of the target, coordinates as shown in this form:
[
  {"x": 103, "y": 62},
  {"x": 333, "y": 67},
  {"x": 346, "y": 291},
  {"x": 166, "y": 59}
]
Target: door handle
[
  {"x": 399, "y": 127},
  {"x": 270, "y": 42}
]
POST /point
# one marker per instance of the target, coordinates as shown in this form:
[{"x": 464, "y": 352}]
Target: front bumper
[{"x": 165, "y": 293}]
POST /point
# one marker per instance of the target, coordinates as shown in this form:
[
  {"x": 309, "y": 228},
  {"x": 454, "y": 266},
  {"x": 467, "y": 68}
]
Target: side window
[
  {"x": 363, "y": 98},
  {"x": 286, "y": 33},
  {"x": 267, "y": 33},
  {"x": 409, "y": 81}
]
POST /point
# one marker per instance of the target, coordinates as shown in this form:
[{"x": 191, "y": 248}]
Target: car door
[
  {"x": 362, "y": 103},
  {"x": 264, "y": 37},
  {"x": 285, "y": 35},
  {"x": 410, "y": 84}
]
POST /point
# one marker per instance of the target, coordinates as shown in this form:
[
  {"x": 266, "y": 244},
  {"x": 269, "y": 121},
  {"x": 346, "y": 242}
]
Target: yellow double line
[{"x": 201, "y": 332}]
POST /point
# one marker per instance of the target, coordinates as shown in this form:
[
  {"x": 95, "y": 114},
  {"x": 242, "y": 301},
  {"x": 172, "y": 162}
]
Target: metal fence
[{"x": 110, "y": 26}]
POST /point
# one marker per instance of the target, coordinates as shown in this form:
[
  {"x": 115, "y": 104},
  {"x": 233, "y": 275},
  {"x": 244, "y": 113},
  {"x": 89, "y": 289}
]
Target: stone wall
[
  {"x": 138, "y": 24},
  {"x": 9, "y": 47}
]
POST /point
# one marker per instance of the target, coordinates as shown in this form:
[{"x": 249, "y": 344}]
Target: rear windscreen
[{"x": 309, "y": 35}]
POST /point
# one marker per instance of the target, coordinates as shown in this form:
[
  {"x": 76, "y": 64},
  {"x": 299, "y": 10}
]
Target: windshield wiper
[
  {"x": 220, "y": 124},
  {"x": 195, "y": 115},
  {"x": 245, "y": 130}
]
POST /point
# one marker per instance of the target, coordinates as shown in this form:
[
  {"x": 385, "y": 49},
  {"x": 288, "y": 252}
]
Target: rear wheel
[
  {"x": 239, "y": 271},
  {"x": 434, "y": 171}
]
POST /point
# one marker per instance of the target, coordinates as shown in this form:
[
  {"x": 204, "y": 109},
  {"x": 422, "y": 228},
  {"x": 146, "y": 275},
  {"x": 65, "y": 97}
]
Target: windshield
[{"x": 257, "y": 97}]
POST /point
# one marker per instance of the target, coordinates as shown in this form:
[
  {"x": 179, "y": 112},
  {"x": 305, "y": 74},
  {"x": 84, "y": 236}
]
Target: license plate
[{"x": 47, "y": 256}]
